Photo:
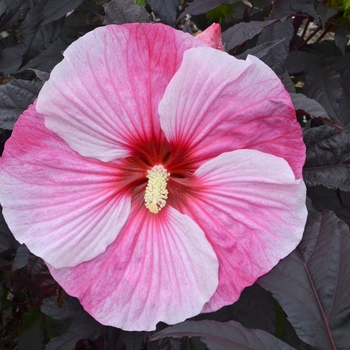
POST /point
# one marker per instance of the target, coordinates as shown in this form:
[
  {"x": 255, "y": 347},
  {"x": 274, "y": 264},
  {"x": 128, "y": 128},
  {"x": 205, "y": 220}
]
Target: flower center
[{"x": 156, "y": 192}]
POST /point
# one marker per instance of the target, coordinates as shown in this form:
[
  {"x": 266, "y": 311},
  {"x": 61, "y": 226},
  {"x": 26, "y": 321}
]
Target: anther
[{"x": 156, "y": 192}]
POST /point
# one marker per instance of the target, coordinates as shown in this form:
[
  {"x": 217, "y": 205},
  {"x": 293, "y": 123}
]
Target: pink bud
[{"x": 212, "y": 37}]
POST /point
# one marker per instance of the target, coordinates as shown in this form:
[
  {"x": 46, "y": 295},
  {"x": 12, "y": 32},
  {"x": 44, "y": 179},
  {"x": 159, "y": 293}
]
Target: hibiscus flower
[{"x": 156, "y": 176}]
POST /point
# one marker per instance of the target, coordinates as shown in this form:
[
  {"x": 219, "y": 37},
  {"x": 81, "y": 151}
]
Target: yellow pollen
[{"x": 156, "y": 193}]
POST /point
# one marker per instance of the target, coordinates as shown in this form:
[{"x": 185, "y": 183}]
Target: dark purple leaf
[
  {"x": 43, "y": 76},
  {"x": 112, "y": 339},
  {"x": 345, "y": 198},
  {"x": 82, "y": 325},
  {"x": 254, "y": 309},
  {"x": 283, "y": 8},
  {"x": 326, "y": 199},
  {"x": 326, "y": 73},
  {"x": 165, "y": 9},
  {"x": 300, "y": 61},
  {"x": 48, "y": 58},
  {"x": 170, "y": 344},
  {"x": 55, "y": 10},
  {"x": 7, "y": 241},
  {"x": 125, "y": 11},
  {"x": 187, "y": 26},
  {"x": 15, "y": 97},
  {"x": 308, "y": 106},
  {"x": 241, "y": 32},
  {"x": 218, "y": 336},
  {"x": 21, "y": 257},
  {"x": 277, "y": 31},
  {"x": 41, "y": 276},
  {"x": 198, "y": 7},
  {"x": 36, "y": 37},
  {"x": 327, "y": 157},
  {"x": 69, "y": 310},
  {"x": 312, "y": 283},
  {"x": 133, "y": 340},
  {"x": 261, "y": 50},
  {"x": 31, "y": 331},
  {"x": 12, "y": 12},
  {"x": 11, "y": 59},
  {"x": 344, "y": 104},
  {"x": 287, "y": 81},
  {"x": 325, "y": 13},
  {"x": 341, "y": 39},
  {"x": 323, "y": 84}
]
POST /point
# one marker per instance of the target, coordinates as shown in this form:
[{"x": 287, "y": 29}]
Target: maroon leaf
[
  {"x": 37, "y": 37},
  {"x": 326, "y": 199},
  {"x": 325, "y": 13},
  {"x": 283, "y": 8},
  {"x": 7, "y": 241},
  {"x": 282, "y": 31},
  {"x": 261, "y": 50},
  {"x": 55, "y": 10},
  {"x": 327, "y": 74},
  {"x": 133, "y": 340},
  {"x": 241, "y": 32},
  {"x": 254, "y": 309},
  {"x": 125, "y": 11},
  {"x": 48, "y": 58},
  {"x": 21, "y": 257},
  {"x": 341, "y": 38},
  {"x": 327, "y": 158},
  {"x": 165, "y": 9},
  {"x": 308, "y": 105},
  {"x": 81, "y": 325},
  {"x": 31, "y": 330},
  {"x": 15, "y": 97},
  {"x": 43, "y": 76},
  {"x": 197, "y": 7},
  {"x": 41, "y": 276},
  {"x": 12, "y": 12},
  {"x": 312, "y": 283},
  {"x": 218, "y": 336},
  {"x": 323, "y": 84}
]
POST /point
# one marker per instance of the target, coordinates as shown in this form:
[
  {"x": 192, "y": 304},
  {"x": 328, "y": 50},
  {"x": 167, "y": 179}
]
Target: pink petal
[
  {"x": 102, "y": 99},
  {"x": 253, "y": 213},
  {"x": 160, "y": 268},
  {"x": 66, "y": 208},
  {"x": 212, "y": 37},
  {"x": 216, "y": 103}
]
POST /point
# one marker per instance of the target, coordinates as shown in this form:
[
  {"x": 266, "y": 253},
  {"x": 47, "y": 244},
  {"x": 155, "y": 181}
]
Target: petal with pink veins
[
  {"x": 160, "y": 268},
  {"x": 253, "y": 213},
  {"x": 102, "y": 99},
  {"x": 66, "y": 208},
  {"x": 216, "y": 103}
]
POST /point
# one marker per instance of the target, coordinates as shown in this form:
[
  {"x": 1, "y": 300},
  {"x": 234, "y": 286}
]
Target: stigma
[{"x": 156, "y": 192}]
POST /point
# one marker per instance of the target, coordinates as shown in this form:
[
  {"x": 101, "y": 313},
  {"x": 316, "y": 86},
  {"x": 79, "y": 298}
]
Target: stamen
[{"x": 156, "y": 193}]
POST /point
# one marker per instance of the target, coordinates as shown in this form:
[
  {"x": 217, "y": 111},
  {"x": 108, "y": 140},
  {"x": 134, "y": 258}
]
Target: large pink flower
[{"x": 156, "y": 176}]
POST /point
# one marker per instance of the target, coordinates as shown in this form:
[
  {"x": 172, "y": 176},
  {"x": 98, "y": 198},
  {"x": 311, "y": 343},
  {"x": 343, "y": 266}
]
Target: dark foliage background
[{"x": 303, "y": 303}]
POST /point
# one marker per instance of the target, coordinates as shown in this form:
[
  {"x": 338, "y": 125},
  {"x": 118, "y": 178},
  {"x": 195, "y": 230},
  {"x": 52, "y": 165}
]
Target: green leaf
[
  {"x": 140, "y": 2},
  {"x": 222, "y": 12}
]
